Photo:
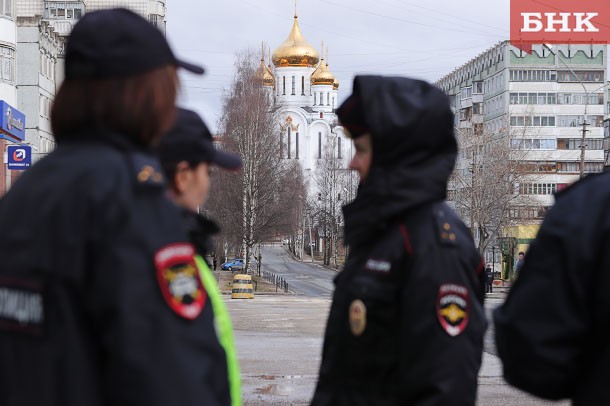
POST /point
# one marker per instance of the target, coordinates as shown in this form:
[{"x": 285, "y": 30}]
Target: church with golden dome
[{"x": 305, "y": 95}]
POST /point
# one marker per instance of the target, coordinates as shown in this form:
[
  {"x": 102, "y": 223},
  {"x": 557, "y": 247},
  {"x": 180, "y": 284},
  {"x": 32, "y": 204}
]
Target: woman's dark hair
[
  {"x": 141, "y": 107},
  {"x": 171, "y": 168}
]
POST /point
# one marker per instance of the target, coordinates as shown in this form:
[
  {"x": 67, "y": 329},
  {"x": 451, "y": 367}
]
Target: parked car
[{"x": 234, "y": 264}]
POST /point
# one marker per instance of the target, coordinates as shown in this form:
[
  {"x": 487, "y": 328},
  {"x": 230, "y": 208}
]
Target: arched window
[
  {"x": 293, "y": 85},
  {"x": 302, "y": 85},
  {"x": 328, "y": 99},
  {"x": 319, "y": 145},
  {"x": 289, "y": 141},
  {"x": 284, "y": 85},
  {"x": 296, "y": 141},
  {"x": 339, "y": 148},
  {"x": 315, "y": 99}
]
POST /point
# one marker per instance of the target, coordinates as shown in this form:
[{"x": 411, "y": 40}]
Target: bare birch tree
[
  {"x": 333, "y": 188},
  {"x": 484, "y": 185},
  {"x": 250, "y": 128}
]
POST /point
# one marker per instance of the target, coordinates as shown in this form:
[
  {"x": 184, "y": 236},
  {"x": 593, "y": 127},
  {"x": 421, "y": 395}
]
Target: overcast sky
[{"x": 422, "y": 39}]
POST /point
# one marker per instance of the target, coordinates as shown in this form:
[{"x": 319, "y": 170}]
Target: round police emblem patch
[
  {"x": 452, "y": 308},
  {"x": 179, "y": 280},
  {"x": 357, "y": 317}
]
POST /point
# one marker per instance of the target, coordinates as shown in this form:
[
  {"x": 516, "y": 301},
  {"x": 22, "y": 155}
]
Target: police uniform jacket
[
  {"x": 553, "y": 331},
  {"x": 99, "y": 301},
  {"x": 406, "y": 323}
]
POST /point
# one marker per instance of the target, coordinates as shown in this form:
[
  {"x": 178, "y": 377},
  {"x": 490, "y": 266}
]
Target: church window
[
  {"x": 296, "y": 141},
  {"x": 328, "y": 99},
  {"x": 319, "y": 145},
  {"x": 339, "y": 148},
  {"x": 289, "y": 141},
  {"x": 284, "y": 85},
  {"x": 321, "y": 113},
  {"x": 302, "y": 85},
  {"x": 293, "y": 85},
  {"x": 315, "y": 99}
]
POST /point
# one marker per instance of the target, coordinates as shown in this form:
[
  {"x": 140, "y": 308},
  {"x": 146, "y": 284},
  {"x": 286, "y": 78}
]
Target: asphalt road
[{"x": 304, "y": 278}]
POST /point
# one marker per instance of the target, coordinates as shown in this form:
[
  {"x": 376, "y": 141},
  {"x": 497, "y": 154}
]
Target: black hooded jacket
[
  {"x": 88, "y": 313},
  {"x": 407, "y": 322},
  {"x": 553, "y": 330}
]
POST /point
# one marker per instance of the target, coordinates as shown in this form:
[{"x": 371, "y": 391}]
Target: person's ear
[{"x": 181, "y": 177}]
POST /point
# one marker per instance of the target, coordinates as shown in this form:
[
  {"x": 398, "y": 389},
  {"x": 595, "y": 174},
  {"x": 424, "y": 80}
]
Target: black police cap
[
  {"x": 190, "y": 140},
  {"x": 117, "y": 43}
]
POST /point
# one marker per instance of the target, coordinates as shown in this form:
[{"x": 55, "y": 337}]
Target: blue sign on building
[
  {"x": 12, "y": 121},
  {"x": 19, "y": 157}
]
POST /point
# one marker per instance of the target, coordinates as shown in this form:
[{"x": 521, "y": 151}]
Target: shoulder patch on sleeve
[
  {"x": 179, "y": 280},
  {"x": 452, "y": 308},
  {"x": 445, "y": 229},
  {"x": 146, "y": 170}
]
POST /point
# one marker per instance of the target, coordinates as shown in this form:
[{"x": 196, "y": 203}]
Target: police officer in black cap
[
  {"x": 187, "y": 155},
  {"x": 406, "y": 324},
  {"x": 100, "y": 299}
]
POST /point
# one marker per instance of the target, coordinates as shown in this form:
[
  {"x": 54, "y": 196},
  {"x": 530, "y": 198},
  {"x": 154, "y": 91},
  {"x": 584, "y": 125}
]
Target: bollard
[{"x": 242, "y": 287}]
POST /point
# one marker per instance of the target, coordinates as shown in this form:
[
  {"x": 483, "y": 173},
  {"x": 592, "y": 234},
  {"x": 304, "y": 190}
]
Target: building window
[
  {"x": 581, "y": 76},
  {"x": 293, "y": 85},
  {"x": 477, "y": 88},
  {"x": 534, "y": 143},
  {"x": 289, "y": 141},
  {"x": 315, "y": 99},
  {"x": 7, "y": 8},
  {"x": 574, "y": 143},
  {"x": 296, "y": 141},
  {"x": 532, "y": 121},
  {"x": 576, "y": 121},
  {"x": 533, "y": 75},
  {"x": 302, "y": 85},
  {"x": 328, "y": 99},
  {"x": 63, "y": 10},
  {"x": 7, "y": 64},
  {"x": 537, "y": 188},
  {"x": 574, "y": 167},
  {"x": 319, "y": 145},
  {"x": 339, "y": 148}
]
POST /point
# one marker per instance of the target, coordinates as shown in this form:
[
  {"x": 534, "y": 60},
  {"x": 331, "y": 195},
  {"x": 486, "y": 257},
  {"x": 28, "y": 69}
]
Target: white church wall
[{"x": 293, "y": 86}]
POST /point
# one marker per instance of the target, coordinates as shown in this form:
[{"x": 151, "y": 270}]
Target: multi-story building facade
[
  {"x": 38, "y": 49},
  {"x": 32, "y": 39},
  {"x": 11, "y": 120},
  {"x": 534, "y": 105}
]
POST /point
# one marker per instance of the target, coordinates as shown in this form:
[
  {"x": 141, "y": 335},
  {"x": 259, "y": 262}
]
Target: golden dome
[
  {"x": 295, "y": 51},
  {"x": 335, "y": 84},
  {"x": 322, "y": 75},
  {"x": 264, "y": 73}
]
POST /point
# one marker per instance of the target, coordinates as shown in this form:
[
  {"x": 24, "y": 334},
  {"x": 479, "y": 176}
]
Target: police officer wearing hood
[{"x": 406, "y": 324}]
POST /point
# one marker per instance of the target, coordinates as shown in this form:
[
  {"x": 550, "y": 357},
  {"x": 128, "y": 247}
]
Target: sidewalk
[{"x": 279, "y": 344}]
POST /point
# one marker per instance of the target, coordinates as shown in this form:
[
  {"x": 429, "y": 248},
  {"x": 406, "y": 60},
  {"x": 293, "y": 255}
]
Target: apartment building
[
  {"x": 32, "y": 40},
  {"x": 12, "y": 121},
  {"x": 534, "y": 105}
]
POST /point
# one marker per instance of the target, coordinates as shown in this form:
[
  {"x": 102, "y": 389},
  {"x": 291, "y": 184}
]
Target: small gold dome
[
  {"x": 295, "y": 51},
  {"x": 322, "y": 75},
  {"x": 263, "y": 73},
  {"x": 336, "y": 84}
]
